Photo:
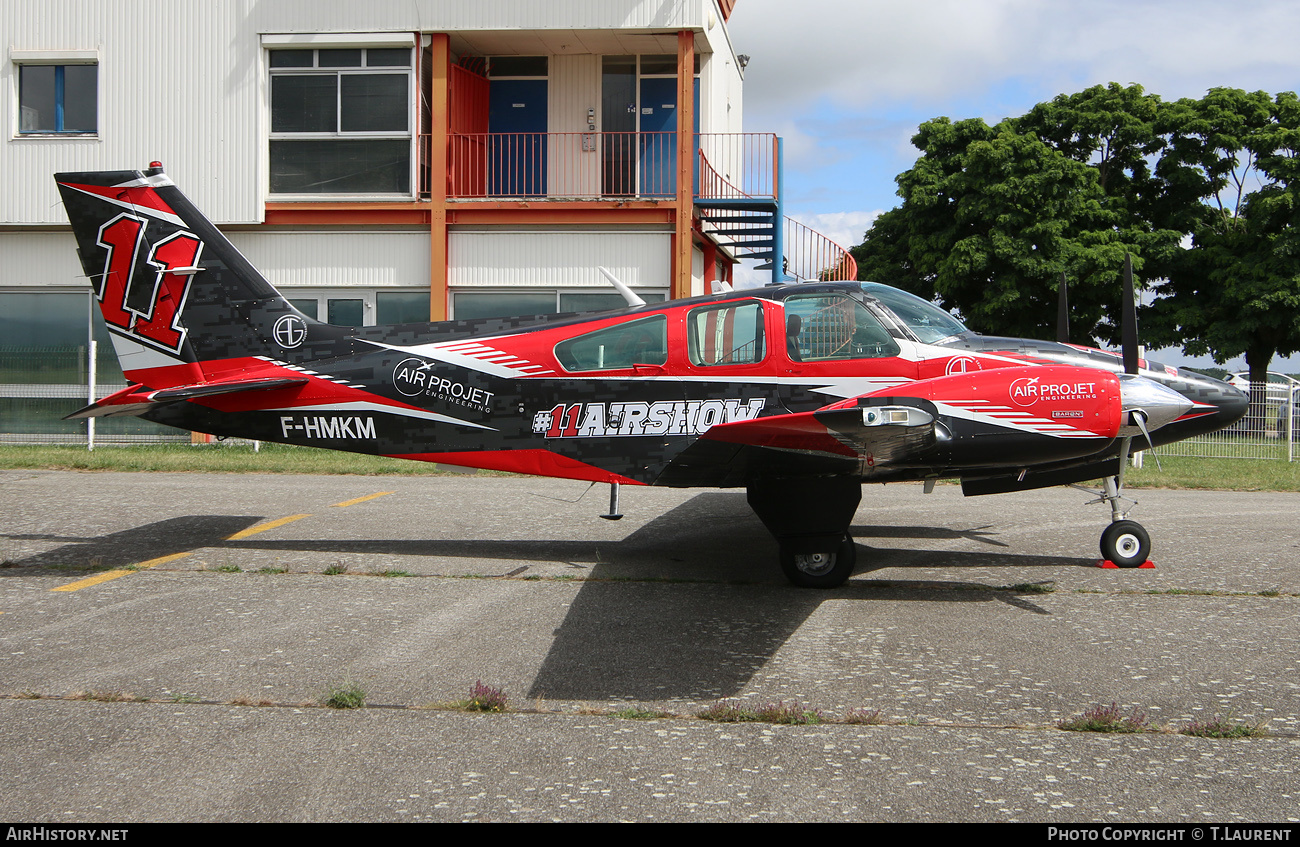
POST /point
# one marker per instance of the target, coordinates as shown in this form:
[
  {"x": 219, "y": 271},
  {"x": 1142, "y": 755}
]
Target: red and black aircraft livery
[{"x": 799, "y": 393}]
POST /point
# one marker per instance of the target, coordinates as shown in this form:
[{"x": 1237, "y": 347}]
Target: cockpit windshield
[{"x": 926, "y": 320}]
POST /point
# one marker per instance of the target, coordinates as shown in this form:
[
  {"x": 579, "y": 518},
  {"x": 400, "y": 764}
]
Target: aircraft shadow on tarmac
[
  {"x": 671, "y": 611},
  {"x": 129, "y": 546}
]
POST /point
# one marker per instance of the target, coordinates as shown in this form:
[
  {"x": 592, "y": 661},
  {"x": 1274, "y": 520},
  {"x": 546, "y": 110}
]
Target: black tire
[
  {"x": 822, "y": 569},
  {"x": 1126, "y": 544}
]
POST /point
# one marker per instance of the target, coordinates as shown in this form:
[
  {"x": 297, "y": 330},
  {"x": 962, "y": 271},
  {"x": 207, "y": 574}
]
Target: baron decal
[
  {"x": 1030, "y": 390},
  {"x": 664, "y": 417},
  {"x": 327, "y": 426},
  {"x": 415, "y": 378}
]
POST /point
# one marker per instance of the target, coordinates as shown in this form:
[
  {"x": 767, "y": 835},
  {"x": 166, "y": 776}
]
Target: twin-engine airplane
[{"x": 799, "y": 393}]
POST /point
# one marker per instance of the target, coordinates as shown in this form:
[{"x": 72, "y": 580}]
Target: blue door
[
  {"x": 517, "y": 121},
  {"x": 658, "y": 146}
]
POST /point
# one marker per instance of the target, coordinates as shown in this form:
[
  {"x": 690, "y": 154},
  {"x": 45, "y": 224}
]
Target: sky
[{"x": 846, "y": 83}]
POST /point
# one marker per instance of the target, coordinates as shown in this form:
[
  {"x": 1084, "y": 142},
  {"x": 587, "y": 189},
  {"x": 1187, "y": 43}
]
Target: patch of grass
[
  {"x": 210, "y": 458},
  {"x": 788, "y": 713},
  {"x": 229, "y": 569},
  {"x": 347, "y": 695},
  {"x": 727, "y": 711},
  {"x": 1218, "y": 727},
  {"x": 1031, "y": 587},
  {"x": 107, "y": 696},
  {"x": 637, "y": 713},
  {"x": 482, "y": 698},
  {"x": 27, "y": 694},
  {"x": 250, "y": 701},
  {"x": 271, "y": 570},
  {"x": 1108, "y": 719},
  {"x": 335, "y": 569},
  {"x": 733, "y": 711},
  {"x": 865, "y": 717},
  {"x": 395, "y": 573},
  {"x": 182, "y": 697}
]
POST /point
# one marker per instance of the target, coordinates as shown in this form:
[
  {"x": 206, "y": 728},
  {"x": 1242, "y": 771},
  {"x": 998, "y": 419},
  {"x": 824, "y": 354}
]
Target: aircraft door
[{"x": 833, "y": 348}]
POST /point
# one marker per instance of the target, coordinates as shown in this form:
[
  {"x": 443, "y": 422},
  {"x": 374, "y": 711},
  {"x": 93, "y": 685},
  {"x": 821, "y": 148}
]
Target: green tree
[
  {"x": 1231, "y": 174},
  {"x": 990, "y": 218}
]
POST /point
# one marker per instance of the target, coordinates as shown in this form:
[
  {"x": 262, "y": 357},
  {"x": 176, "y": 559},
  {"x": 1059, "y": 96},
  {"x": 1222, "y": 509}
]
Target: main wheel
[
  {"x": 1126, "y": 544},
  {"x": 823, "y": 569}
]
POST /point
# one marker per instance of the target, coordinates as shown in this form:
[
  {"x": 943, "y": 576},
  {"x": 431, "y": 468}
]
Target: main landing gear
[
  {"x": 810, "y": 518},
  {"x": 1124, "y": 543}
]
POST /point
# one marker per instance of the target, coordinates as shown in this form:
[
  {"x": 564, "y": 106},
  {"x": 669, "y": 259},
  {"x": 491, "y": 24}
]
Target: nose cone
[{"x": 1159, "y": 404}]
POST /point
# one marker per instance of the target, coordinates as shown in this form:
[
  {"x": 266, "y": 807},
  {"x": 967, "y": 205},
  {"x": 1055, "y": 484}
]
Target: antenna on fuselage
[{"x": 628, "y": 295}]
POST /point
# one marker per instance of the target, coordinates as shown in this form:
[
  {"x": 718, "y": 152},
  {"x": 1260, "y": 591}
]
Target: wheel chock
[{"x": 1107, "y": 563}]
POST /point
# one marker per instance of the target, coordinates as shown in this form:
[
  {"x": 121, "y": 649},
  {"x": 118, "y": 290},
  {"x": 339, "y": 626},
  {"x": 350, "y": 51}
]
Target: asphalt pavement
[{"x": 168, "y": 640}]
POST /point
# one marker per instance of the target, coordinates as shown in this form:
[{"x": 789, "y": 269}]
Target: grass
[
  {"x": 733, "y": 711},
  {"x": 347, "y": 695},
  {"x": 1108, "y": 719},
  {"x": 637, "y": 713},
  {"x": 1178, "y": 472},
  {"x": 483, "y": 698},
  {"x": 1218, "y": 727},
  {"x": 207, "y": 458}
]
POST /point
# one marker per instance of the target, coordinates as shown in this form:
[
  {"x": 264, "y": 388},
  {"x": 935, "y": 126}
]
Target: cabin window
[
  {"x": 643, "y": 342},
  {"x": 341, "y": 121},
  {"x": 58, "y": 99},
  {"x": 827, "y": 327},
  {"x": 730, "y": 334}
]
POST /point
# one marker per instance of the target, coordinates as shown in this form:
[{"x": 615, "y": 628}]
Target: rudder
[{"x": 177, "y": 296}]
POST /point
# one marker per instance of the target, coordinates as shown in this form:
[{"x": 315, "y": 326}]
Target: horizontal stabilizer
[{"x": 136, "y": 399}]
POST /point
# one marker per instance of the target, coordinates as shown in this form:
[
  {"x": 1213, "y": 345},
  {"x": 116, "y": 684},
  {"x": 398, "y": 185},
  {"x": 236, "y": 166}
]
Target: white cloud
[{"x": 860, "y": 53}]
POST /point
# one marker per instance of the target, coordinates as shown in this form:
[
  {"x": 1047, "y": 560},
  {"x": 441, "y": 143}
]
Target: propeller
[{"x": 1063, "y": 313}]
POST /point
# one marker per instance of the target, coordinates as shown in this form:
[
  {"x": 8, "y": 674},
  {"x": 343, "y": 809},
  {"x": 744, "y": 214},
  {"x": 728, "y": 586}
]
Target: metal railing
[
  {"x": 603, "y": 165},
  {"x": 809, "y": 255}
]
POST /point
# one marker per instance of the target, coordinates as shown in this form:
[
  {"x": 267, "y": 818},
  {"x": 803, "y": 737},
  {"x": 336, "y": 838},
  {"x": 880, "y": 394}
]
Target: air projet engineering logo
[
  {"x": 415, "y": 378},
  {"x": 1027, "y": 391}
]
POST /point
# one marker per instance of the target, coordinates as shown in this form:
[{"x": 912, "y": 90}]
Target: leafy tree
[
  {"x": 1232, "y": 175},
  {"x": 1204, "y": 193},
  {"x": 990, "y": 218}
]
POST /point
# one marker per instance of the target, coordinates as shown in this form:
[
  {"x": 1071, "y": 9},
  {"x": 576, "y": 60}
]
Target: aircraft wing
[{"x": 845, "y": 437}]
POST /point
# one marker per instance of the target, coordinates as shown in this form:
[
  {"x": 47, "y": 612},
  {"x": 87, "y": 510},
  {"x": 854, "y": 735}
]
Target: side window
[
  {"x": 730, "y": 334},
  {"x": 642, "y": 342},
  {"x": 829, "y": 327}
]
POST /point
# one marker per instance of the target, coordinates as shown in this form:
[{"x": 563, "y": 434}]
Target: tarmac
[{"x": 168, "y": 640}]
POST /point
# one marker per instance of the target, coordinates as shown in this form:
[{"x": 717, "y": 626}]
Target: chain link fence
[{"x": 1268, "y": 431}]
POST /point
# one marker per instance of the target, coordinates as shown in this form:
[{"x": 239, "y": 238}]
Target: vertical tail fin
[{"x": 177, "y": 296}]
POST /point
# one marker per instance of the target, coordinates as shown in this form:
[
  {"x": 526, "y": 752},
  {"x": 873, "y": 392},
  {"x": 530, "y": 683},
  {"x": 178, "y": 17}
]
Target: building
[{"x": 387, "y": 161}]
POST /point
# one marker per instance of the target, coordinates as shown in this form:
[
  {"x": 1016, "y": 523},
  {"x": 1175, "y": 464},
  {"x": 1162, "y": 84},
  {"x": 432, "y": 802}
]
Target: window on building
[
  {"x": 467, "y": 305},
  {"x": 58, "y": 99},
  {"x": 341, "y": 121}
]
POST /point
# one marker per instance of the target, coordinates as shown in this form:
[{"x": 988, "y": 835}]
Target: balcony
[{"x": 736, "y": 185}]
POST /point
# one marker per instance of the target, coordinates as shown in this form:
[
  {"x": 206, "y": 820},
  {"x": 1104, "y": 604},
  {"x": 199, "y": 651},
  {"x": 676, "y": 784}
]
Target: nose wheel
[{"x": 1126, "y": 544}]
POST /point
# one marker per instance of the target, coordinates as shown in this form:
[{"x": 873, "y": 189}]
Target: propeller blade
[
  {"x": 1140, "y": 418},
  {"x": 1129, "y": 321},
  {"x": 1063, "y": 313}
]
